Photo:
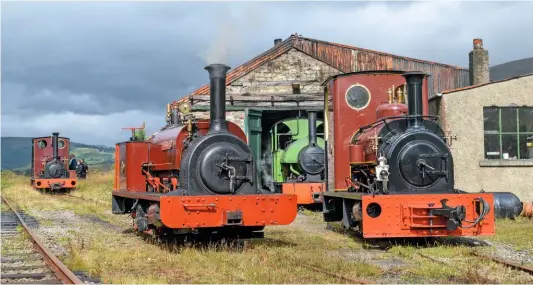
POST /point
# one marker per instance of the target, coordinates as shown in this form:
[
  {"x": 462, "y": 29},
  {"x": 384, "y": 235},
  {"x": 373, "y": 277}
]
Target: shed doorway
[{"x": 258, "y": 125}]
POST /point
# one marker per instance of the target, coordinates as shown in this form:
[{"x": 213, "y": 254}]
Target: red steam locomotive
[
  {"x": 49, "y": 165},
  {"x": 196, "y": 176},
  {"x": 393, "y": 172}
]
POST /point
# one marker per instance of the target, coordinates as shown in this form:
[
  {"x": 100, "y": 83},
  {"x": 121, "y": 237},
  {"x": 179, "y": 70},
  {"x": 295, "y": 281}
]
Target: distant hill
[
  {"x": 16, "y": 154},
  {"x": 511, "y": 69}
]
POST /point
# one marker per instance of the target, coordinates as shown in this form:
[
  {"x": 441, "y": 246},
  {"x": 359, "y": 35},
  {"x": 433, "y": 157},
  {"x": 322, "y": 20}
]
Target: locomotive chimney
[
  {"x": 311, "y": 118},
  {"x": 217, "y": 76},
  {"x": 414, "y": 82},
  {"x": 55, "y": 146}
]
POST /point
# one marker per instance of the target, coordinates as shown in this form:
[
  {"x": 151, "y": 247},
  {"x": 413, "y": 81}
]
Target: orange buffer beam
[
  {"x": 213, "y": 211},
  {"x": 53, "y": 183},
  {"x": 408, "y": 215},
  {"x": 307, "y": 193}
]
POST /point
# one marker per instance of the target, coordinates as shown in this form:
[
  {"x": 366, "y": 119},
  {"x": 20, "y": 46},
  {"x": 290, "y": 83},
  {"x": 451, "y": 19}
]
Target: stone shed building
[
  {"x": 288, "y": 77},
  {"x": 286, "y": 81},
  {"x": 490, "y": 123}
]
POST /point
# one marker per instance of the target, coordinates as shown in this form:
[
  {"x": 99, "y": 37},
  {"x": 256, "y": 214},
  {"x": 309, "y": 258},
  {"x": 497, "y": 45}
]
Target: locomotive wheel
[{"x": 140, "y": 223}]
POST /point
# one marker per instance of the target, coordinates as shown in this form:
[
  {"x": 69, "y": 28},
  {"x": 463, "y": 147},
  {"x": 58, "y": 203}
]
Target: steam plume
[{"x": 232, "y": 33}]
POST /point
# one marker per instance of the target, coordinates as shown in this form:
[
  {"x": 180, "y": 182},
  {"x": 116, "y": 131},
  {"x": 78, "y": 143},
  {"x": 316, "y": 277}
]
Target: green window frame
[{"x": 506, "y": 132}]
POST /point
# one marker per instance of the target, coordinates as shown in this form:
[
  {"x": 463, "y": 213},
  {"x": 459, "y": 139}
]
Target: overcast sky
[{"x": 86, "y": 69}]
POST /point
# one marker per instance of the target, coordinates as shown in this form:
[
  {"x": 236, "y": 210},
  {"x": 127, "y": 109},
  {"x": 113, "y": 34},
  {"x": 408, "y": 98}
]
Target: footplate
[{"x": 428, "y": 215}]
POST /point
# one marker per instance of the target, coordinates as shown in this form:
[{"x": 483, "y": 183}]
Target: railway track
[
  {"x": 25, "y": 259},
  {"x": 509, "y": 264},
  {"x": 334, "y": 275}
]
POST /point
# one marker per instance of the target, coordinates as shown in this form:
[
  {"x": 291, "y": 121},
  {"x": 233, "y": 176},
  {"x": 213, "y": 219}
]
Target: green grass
[
  {"x": 98, "y": 188},
  {"x": 275, "y": 259},
  {"x": 115, "y": 255},
  {"x": 122, "y": 257},
  {"x": 518, "y": 233}
]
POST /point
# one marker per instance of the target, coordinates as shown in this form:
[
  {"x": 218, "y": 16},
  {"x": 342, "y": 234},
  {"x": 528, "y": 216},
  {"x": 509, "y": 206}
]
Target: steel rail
[
  {"x": 58, "y": 268},
  {"x": 505, "y": 262},
  {"x": 340, "y": 277}
]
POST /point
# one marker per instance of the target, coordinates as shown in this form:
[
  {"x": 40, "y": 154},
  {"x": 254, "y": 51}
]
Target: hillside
[
  {"x": 16, "y": 153},
  {"x": 511, "y": 69}
]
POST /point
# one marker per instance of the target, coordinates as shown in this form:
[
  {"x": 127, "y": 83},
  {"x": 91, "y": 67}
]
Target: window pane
[
  {"x": 525, "y": 152},
  {"x": 525, "y": 116},
  {"x": 509, "y": 147},
  {"x": 509, "y": 119},
  {"x": 492, "y": 147},
  {"x": 490, "y": 118}
]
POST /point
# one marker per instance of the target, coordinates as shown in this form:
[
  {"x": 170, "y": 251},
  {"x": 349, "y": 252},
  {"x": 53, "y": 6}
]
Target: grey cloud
[{"x": 97, "y": 61}]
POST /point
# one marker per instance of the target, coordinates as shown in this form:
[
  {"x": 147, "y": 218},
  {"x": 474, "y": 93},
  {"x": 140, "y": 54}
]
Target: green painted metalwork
[
  {"x": 292, "y": 152},
  {"x": 252, "y": 128},
  {"x": 287, "y": 145}
]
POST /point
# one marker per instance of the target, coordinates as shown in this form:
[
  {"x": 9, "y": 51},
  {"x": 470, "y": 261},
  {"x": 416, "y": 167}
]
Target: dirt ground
[{"x": 88, "y": 237}]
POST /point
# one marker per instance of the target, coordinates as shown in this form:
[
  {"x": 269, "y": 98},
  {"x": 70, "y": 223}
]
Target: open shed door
[{"x": 253, "y": 129}]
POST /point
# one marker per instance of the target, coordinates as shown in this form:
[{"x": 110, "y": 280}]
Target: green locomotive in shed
[{"x": 297, "y": 153}]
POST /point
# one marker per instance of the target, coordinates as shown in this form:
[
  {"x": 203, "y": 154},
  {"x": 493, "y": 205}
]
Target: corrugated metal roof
[{"x": 352, "y": 59}]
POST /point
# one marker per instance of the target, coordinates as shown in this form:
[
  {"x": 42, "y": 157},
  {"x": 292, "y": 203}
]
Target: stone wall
[
  {"x": 463, "y": 114},
  {"x": 274, "y": 77},
  {"x": 236, "y": 117}
]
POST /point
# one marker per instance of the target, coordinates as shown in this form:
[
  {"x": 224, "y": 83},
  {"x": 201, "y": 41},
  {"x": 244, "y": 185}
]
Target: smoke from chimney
[
  {"x": 233, "y": 32},
  {"x": 479, "y": 64}
]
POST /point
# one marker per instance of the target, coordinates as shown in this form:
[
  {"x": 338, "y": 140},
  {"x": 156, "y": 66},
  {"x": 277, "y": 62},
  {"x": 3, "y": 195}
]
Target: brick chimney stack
[
  {"x": 277, "y": 42},
  {"x": 479, "y": 64}
]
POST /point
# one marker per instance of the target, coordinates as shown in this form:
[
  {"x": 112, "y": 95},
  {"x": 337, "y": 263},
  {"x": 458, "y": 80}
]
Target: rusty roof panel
[
  {"x": 366, "y": 61},
  {"x": 443, "y": 77},
  {"x": 331, "y": 45},
  {"x": 351, "y": 59},
  {"x": 336, "y": 56}
]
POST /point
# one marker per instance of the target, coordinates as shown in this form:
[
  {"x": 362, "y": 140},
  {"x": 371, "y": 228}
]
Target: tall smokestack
[
  {"x": 277, "y": 42},
  {"x": 414, "y": 82},
  {"x": 217, "y": 76},
  {"x": 311, "y": 118},
  {"x": 55, "y": 146},
  {"x": 479, "y": 64}
]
